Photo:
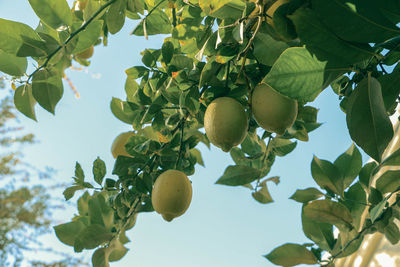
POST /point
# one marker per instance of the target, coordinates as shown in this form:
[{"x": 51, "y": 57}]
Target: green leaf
[
  {"x": 88, "y": 36},
  {"x": 275, "y": 48},
  {"x": 68, "y": 232},
  {"x": 79, "y": 172},
  {"x": 13, "y": 37},
  {"x": 167, "y": 51},
  {"x": 377, "y": 211},
  {"x": 24, "y": 101},
  {"x": 93, "y": 236},
  {"x": 300, "y": 75},
  {"x": 223, "y": 9},
  {"x": 70, "y": 191},
  {"x": 99, "y": 170},
  {"x": 291, "y": 254},
  {"x": 390, "y": 88},
  {"x": 327, "y": 211},
  {"x": 137, "y": 72},
  {"x": 55, "y": 13},
  {"x": 115, "y": 17},
  {"x": 100, "y": 257},
  {"x": 366, "y": 174},
  {"x": 357, "y": 21},
  {"x": 355, "y": 200},
  {"x": 196, "y": 153},
  {"x": 182, "y": 62},
  {"x": 392, "y": 233},
  {"x": 209, "y": 71},
  {"x": 320, "y": 233},
  {"x": 157, "y": 23},
  {"x": 238, "y": 175},
  {"x": 262, "y": 195},
  {"x": 367, "y": 120},
  {"x": 122, "y": 111},
  {"x": 100, "y": 212},
  {"x": 349, "y": 164},
  {"x": 327, "y": 175},
  {"x": 12, "y": 65},
  {"x": 117, "y": 250},
  {"x": 306, "y": 195},
  {"x": 389, "y": 181},
  {"x": 47, "y": 89},
  {"x": 323, "y": 43},
  {"x": 282, "y": 147},
  {"x": 392, "y": 160}
]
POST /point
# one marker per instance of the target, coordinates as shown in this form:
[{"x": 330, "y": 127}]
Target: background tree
[
  {"x": 225, "y": 49},
  {"x": 25, "y": 204}
]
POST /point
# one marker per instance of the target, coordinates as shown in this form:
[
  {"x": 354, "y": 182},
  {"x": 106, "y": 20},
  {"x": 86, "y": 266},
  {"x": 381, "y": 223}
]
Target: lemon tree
[{"x": 264, "y": 62}]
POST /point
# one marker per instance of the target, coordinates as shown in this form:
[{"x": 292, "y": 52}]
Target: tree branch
[{"x": 83, "y": 27}]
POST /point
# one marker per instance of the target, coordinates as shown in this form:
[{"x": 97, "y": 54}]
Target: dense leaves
[{"x": 225, "y": 48}]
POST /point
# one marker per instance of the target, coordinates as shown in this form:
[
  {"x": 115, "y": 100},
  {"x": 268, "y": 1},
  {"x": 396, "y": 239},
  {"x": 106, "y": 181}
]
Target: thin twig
[{"x": 83, "y": 27}]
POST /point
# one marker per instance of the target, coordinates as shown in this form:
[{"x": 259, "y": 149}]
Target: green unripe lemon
[
  {"x": 118, "y": 146},
  {"x": 171, "y": 194},
  {"x": 273, "y": 112},
  {"x": 87, "y": 53},
  {"x": 225, "y": 122}
]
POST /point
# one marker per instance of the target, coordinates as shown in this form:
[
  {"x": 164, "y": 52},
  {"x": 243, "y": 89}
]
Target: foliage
[
  {"x": 23, "y": 208},
  {"x": 226, "y": 48}
]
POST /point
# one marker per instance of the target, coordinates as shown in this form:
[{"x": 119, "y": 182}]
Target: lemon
[
  {"x": 225, "y": 122},
  {"x": 273, "y": 112},
  {"x": 171, "y": 194},
  {"x": 87, "y": 53},
  {"x": 118, "y": 146}
]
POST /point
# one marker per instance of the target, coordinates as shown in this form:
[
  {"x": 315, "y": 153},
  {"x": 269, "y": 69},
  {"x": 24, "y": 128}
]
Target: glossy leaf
[
  {"x": 262, "y": 195},
  {"x": 238, "y": 175},
  {"x": 299, "y": 74},
  {"x": 55, "y": 13},
  {"x": 377, "y": 211},
  {"x": 282, "y": 147},
  {"x": 99, "y": 170},
  {"x": 367, "y": 120},
  {"x": 115, "y": 17},
  {"x": 100, "y": 257},
  {"x": 12, "y": 36},
  {"x": 389, "y": 181},
  {"x": 88, "y": 36},
  {"x": 392, "y": 233},
  {"x": 320, "y": 233},
  {"x": 306, "y": 195},
  {"x": 122, "y": 110},
  {"x": 12, "y": 65},
  {"x": 326, "y": 175},
  {"x": 349, "y": 164},
  {"x": 354, "y": 21},
  {"x": 69, "y": 192},
  {"x": 291, "y": 254},
  {"x": 68, "y": 232},
  {"x": 47, "y": 89},
  {"x": 324, "y": 44},
  {"x": 24, "y": 101},
  {"x": 327, "y": 211}
]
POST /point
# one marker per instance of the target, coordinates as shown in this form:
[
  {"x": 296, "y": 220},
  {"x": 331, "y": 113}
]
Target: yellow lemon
[
  {"x": 87, "y": 53},
  {"x": 171, "y": 194},
  {"x": 118, "y": 146},
  {"x": 273, "y": 112},
  {"x": 225, "y": 122}
]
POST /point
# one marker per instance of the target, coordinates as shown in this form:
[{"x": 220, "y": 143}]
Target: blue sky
[{"x": 224, "y": 226}]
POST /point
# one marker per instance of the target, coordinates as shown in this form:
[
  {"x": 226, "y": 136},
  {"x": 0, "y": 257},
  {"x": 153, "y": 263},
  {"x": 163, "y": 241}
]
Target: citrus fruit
[
  {"x": 118, "y": 146},
  {"x": 225, "y": 122},
  {"x": 171, "y": 194},
  {"x": 273, "y": 111}
]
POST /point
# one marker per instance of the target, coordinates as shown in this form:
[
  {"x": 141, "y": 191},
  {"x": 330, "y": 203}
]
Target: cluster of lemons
[{"x": 226, "y": 124}]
